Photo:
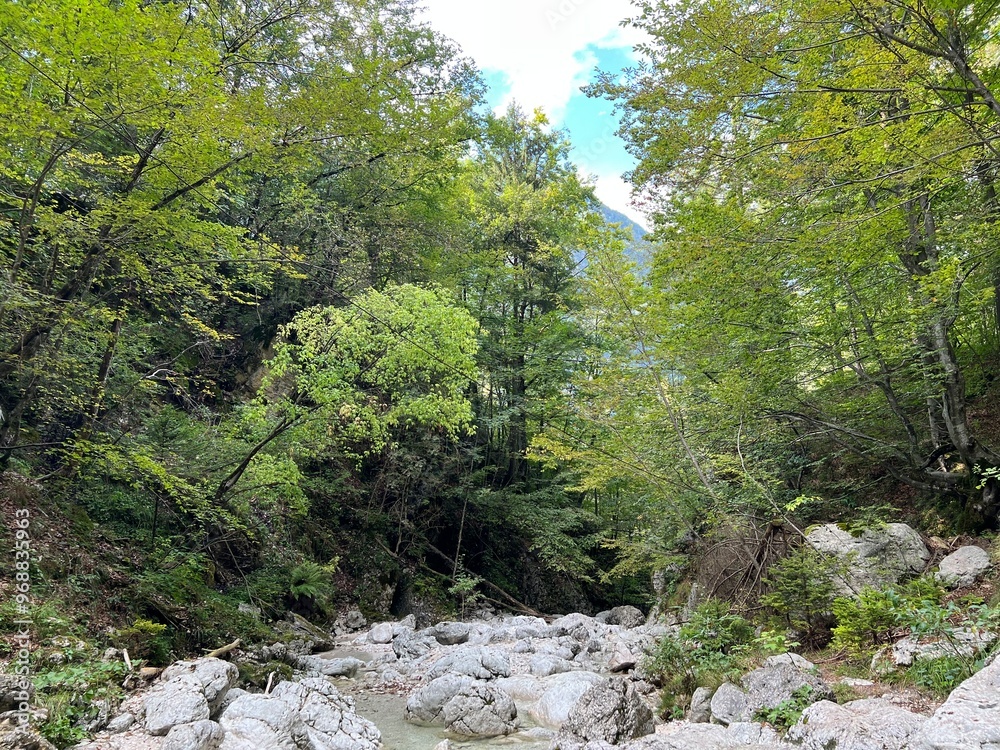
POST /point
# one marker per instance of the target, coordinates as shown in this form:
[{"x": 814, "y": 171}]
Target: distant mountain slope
[{"x": 617, "y": 217}]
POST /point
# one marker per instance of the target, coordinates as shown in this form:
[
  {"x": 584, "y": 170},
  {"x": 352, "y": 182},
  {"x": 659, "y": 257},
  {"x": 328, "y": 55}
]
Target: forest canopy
[{"x": 277, "y": 289}]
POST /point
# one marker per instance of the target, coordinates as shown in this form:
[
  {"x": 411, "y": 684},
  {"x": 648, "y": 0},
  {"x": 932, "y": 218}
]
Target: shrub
[
  {"x": 801, "y": 588},
  {"x": 788, "y": 712},
  {"x": 310, "y": 580},
  {"x": 711, "y": 648},
  {"x": 876, "y": 617},
  {"x": 145, "y": 640},
  {"x": 941, "y": 675},
  {"x": 70, "y": 693}
]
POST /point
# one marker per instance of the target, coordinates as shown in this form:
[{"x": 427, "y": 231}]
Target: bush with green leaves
[
  {"x": 943, "y": 674},
  {"x": 800, "y": 593},
  {"x": 71, "y": 692},
  {"x": 146, "y": 640},
  {"x": 788, "y": 712},
  {"x": 877, "y": 617},
  {"x": 714, "y": 646}
]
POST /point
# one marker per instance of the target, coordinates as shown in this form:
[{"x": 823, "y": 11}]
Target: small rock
[
  {"x": 15, "y": 690},
  {"x": 120, "y": 723},
  {"x": 19, "y": 738},
  {"x": 701, "y": 706},
  {"x": 622, "y": 660},
  {"x": 354, "y": 620},
  {"x": 729, "y": 704},
  {"x": 409, "y": 645},
  {"x": 329, "y": 667},
  {"x": 381, "y": 633}
]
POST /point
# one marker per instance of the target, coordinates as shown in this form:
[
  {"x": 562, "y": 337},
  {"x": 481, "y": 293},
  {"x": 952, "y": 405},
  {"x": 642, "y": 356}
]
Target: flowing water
[{"x": 386, "y": 711}]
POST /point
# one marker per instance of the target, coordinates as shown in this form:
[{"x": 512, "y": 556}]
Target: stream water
[{"x": 386, "y": 711}]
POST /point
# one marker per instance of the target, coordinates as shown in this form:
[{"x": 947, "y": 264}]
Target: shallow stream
[{"x": 385, "y": 710}]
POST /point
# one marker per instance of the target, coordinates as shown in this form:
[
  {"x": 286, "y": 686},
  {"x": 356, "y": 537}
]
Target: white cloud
[
  {"x": 540, "y": 46},
  {"x": 613, "y": 191}
]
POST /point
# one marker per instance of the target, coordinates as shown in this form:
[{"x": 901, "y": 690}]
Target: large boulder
[
  {"x": 319, "y": 665},
  {"x": 780, "y": 679},
  {"x": 962, "y": 642},
  {"x": 963, "y": 566},
  {"x": 173, "y": 703},
  {"x": 543, "y": 665},
  {"x": 451, "y": 633},
  {"x": 969, "y": 719},
  {"x": 480, "y": 710},
  {"x": 426, "y": 705},
  {"x": 479, "y": 662},
  {"x": 199, "y": 735},
  {"x": 211, "y": 677},
  {"x": 329, "y": 718},
  {"x": 522, "y": 688},
  {"x": 626, "y": 616},
  {"x": 561, "y": 693},
  {"x": 870, "y": 724},
  {"x": 20, "y": 738},
  {"x": 189, "y": 691},
  {"x": 410, "y": 645},
  {"x": 684, "y": 736},
  {"x": 259, "y": 722},
  {"x": 308, "y": 714},
  {"x": 611, "y": 712},
  {"x": 876, "y": 557}
]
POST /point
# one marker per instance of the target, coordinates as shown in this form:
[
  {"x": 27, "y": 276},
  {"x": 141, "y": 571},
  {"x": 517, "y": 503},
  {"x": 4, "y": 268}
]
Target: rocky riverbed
[{"x": 568, "y": 684}]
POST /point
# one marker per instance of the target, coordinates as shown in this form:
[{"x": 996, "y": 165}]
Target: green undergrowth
[{"x": 715, "y": 646}]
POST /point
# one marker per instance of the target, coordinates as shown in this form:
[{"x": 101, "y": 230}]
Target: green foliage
[
  {"x": 714, "y": 646},
  {"x": 800, "y": 591},
  {"x": 48, "y": 619},
  {"x": 69, "y": 693},
  {"x": 773, "y": 643},
  {"x": 789, "y": 711},
  {"x": 942, "y": 674},
  {"x": 144, "y": 640},
  {"x": 256, "y": 676},
  {"x": 310, "y": 580},
  {"x": 877, "y": 616},
  {"x": 465, "y": 589}
]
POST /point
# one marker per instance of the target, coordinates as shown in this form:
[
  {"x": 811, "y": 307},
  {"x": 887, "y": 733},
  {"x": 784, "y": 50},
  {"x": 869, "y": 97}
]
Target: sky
[{"x": 539, "y": 53}]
